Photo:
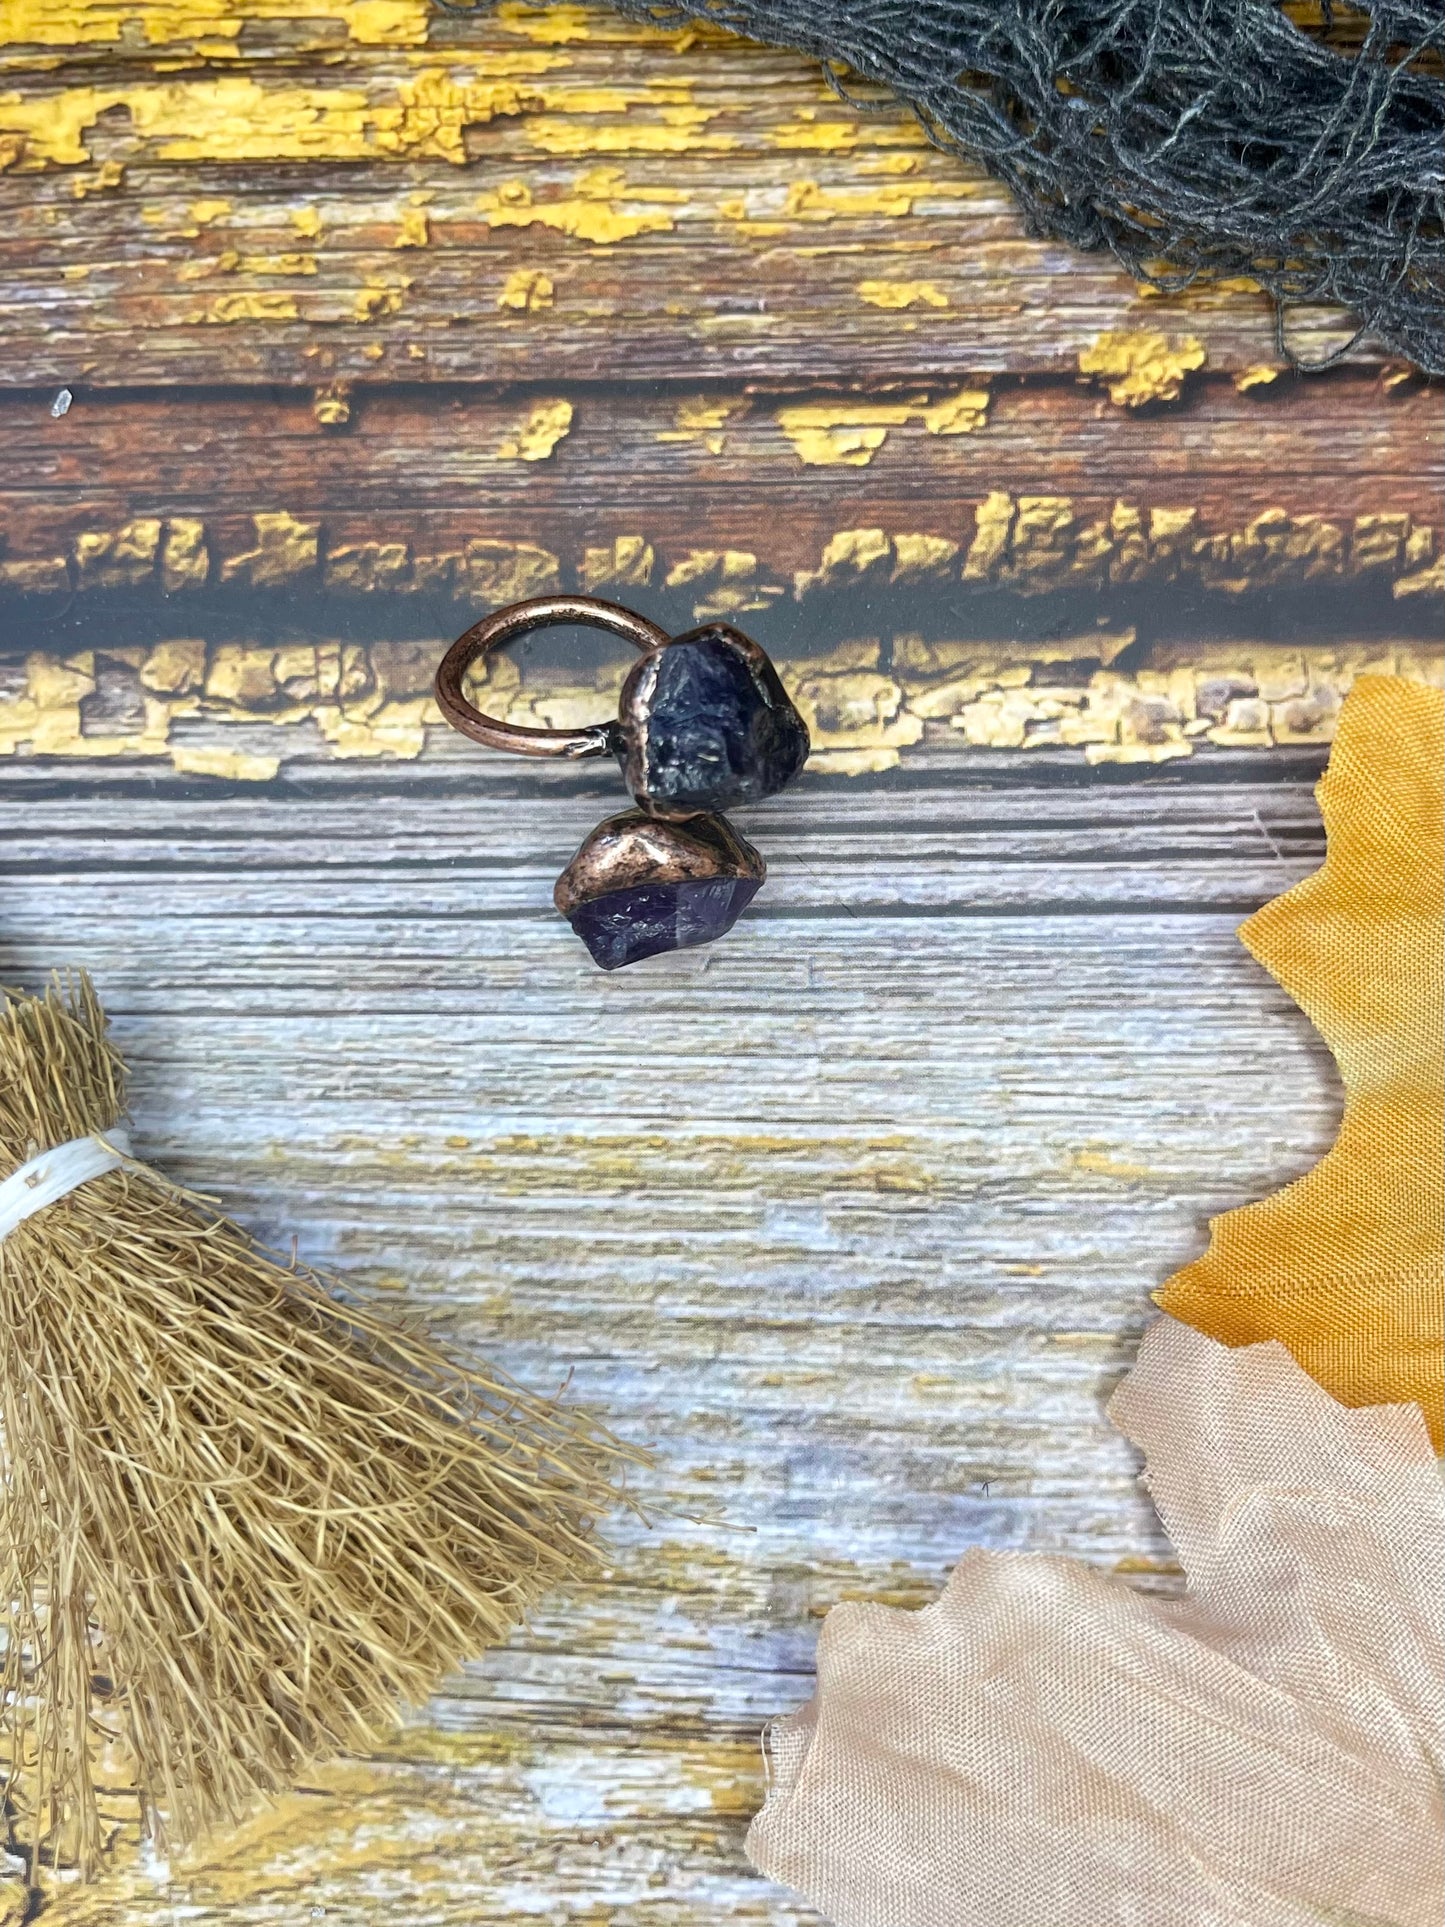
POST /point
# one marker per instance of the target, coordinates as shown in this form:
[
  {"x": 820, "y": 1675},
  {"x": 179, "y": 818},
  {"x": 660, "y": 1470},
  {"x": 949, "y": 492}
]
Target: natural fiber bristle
[{"x": 242, "y": 1521}]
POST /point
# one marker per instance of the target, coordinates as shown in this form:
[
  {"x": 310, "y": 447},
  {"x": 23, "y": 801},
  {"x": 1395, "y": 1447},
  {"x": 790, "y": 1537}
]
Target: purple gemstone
[
  {"x": 706, "y": 723},
  {"x": 627, "y": 925}
]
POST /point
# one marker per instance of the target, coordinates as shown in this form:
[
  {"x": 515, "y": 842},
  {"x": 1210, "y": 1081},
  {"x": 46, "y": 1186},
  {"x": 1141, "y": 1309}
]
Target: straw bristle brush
[{"x": 242, "y": 1521}]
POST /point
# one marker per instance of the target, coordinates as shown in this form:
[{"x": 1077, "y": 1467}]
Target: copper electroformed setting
[{"x": 704, "y": 723}]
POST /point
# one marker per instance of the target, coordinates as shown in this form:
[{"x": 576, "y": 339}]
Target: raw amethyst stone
[
  {"x": 627, "y": 925},
  {"x": 705, "y": 723}
]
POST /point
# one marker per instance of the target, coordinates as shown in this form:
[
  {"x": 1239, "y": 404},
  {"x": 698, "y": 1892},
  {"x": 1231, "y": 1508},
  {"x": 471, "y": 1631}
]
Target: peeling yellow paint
[
  {"x": 677, "y": 130},
  {"x": 80, "y": 23},
  {"x": 548, "y": 26},
  {"x": 121, "y": 559},
  {"x": 724, "y": 581},
  {"x": 236, "y": 117},
  {"x": 534, "y": 440},
  {"x": 1142, "y": 367},
  {"x": 849, "y": 433},
  {"x": 818, "y": 136},
  {"x": 827, "y": 434},
  {"x": 62, "y": 23},
  {"x": 703, "y": 413},
  {"x": 203, "y": 266},
  {"x": 960, "y": 414},
  {"x": 698, "y": 418},
  {"x": 527, "y": 289},
  {"x": 856, "y": 718},
  {"x": 920, "y": 558},
  {"x": 239, "y": 765},
  {"x": 203, "y": 212},
  {"x": 47, "y": 131},
  {"x": 993, "y": 525},
  {"x": 185, "y": 555},
  {"x": 627, "y": 563},
  {"x": 293, "y": 263},
  {"x": 902, "y": 294},
  {"x": 888, "y": 164},
  {"x": 331, "y": 405},
  {"x": 368, "y": 568},
  {"x": 414, "y": 230},
  {"x": 106, "y": 178},
  {"x": 495, "y": 572},
  {"x": 1118, "y": 702},
  {"x": 591, "y": 213},
  {"x": 698, "y": 565},
  {"x": 809, "y": 201},
  {"x": 1262, "y": 375},
  {"x": 375, "y": 701},
  {"x": 253, "y": 305},
  {"x": 393, "y": 730},
  {"x": 175, "y": 668},
  {"x": 847, "y": 557},
  {"x": 368, "y": 22},
  {"x": 380, "y": 299},
  {"x": 241, "y": 678},
  {"x": 43, "y": 718},
  {"x": 1031, "y": 544},
  {"x": 306, "y": 221},
  {"x": 1428, "y": 581},
  {"x": 285, "y": 548}
]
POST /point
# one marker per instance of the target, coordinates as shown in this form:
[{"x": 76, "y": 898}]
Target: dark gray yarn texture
[{"x": 1188, "y": 137}]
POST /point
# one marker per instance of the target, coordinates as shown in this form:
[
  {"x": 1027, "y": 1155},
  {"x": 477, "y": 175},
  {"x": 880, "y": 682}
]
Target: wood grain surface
[
  {"x": 733, "y": 467},
  {"x": 431, "y": 181},
  {"x": 853, "y": 1219},
  {"x": 369, "y": 318}
]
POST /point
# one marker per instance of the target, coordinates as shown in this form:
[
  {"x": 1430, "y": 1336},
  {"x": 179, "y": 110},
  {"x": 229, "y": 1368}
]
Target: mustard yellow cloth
[{"x": 1347, "y": 1266}]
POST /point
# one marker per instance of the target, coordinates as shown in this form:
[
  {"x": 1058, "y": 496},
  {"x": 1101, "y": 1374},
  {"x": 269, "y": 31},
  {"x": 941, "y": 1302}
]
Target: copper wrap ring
[
  {"x": 494, "y": 631},
  {"x": 703, "y": 722}
]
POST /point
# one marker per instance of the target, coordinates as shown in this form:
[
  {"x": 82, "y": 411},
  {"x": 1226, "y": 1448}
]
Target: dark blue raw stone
[
  {"x": 720, "y": 729},
  {"x": 627, "y": 925}
]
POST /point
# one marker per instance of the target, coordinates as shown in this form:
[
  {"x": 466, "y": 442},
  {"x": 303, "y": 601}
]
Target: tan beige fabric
[{"x": 1045, "y": 1748}]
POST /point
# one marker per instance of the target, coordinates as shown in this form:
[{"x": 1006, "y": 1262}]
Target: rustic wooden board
[
  {"x": 1224, "y": 568},
  {"x": 694, "y": 210},
  {"x": 372, "y": 317},
  {"x": 853, "y": 1219},
  {"x": 721, "y": 468}
]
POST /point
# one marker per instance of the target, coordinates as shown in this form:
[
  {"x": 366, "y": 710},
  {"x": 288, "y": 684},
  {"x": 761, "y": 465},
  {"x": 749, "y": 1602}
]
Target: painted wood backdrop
[{"x": 323, "y": 326}]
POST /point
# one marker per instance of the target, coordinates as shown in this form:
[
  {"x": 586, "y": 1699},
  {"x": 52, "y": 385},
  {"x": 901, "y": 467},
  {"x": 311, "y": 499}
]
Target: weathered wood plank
[
  {"x": 483, "y": 829},
  {"x": 103, "y": 31},
  {"x": 731, "y": 494},
  {"x": 1334, "y": 445},
  {"x": 246, "y": 710},
  {"x": 854, "y": 1218},
  {"x": 660, "y": 209}
]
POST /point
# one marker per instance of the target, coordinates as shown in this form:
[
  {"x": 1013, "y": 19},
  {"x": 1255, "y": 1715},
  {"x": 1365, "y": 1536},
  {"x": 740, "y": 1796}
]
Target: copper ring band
[{"x": 541, "y": 612}]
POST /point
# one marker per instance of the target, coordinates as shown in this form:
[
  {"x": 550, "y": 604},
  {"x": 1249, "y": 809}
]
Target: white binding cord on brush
[{"x": 56, "y": 1173}]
